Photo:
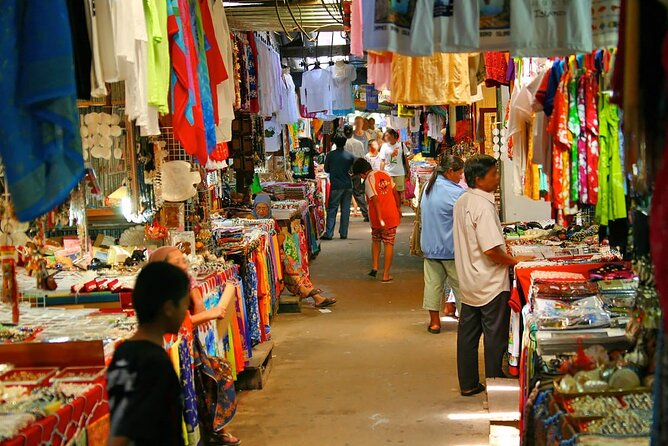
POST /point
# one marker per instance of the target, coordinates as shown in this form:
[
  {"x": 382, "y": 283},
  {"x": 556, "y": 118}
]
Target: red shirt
[{"x": 380, "y": 185}]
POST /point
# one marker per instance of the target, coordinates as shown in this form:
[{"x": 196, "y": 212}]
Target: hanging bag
[{"x": 409, "y": 187}]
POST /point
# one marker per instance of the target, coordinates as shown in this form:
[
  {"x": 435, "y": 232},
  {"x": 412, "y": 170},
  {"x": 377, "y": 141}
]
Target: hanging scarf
[{"x": 39, "y": 130}]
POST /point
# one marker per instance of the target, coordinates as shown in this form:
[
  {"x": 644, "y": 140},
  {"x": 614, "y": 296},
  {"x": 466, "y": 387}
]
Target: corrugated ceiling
[{"x": 261, "y": 15}]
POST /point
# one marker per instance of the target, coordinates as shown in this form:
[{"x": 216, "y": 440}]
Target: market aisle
[{"x": 366, "y": 374}]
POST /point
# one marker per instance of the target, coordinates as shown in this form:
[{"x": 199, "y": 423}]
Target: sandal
[
  {"x": 481, "y": 388},
  {"x": 373, "y": 273},
  {"x": 390, "y": 279},
  {"x": 326, "y": 303},
  {"x": 230, "y": 440},
  {"x": 434, "y": 330}
]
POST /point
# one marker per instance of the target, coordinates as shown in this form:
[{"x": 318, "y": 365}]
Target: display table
[{"x": 86, "y": 413}]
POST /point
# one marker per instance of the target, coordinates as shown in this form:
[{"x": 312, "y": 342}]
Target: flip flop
[
  {"x": 387, "y": 280},
  {"x": 481, "y": 388},
  {"x": 326, "y": 303},
  {"x": 433, "y": 330},
  {"x": 373, "y": 273},
  {"x": 314, "y": 292},
  {"x": 230, "y": 440}
]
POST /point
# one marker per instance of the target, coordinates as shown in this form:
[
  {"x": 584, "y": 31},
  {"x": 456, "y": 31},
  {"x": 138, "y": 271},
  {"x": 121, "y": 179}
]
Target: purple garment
[{"x": 510, "y": 72}]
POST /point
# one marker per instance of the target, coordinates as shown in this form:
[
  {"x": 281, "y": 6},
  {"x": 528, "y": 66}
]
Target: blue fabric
[
  {"x": 39, "y": 121},
  {"x": 252, "y": 303},
  {"x": 189, "y": 395},
  {"x": 339, "y": 198},
  {"x": 337, "y": 164},
  {"x": 203, "y": 76},
  {"x": 553, "y": 82},
  {"x": 436, "y": 211}
]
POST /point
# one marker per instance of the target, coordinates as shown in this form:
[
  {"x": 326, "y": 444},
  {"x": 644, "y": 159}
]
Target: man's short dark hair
[
  {"x": 477, "y": 167},
  {"x": 158, "y": 283},
  {"x": 348, "y": 131},
  {"x": 339, "y": 139},
  {"x": 360, "y": 166}
]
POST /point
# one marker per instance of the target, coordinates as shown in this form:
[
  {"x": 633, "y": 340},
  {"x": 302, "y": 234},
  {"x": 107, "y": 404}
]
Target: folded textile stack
[{"x": 619, "y": 296}]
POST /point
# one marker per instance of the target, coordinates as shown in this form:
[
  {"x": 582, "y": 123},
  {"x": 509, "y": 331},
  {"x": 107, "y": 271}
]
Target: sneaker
[
  {"x": 325, "y": 237},
  {"x": 344, "y": 237}
]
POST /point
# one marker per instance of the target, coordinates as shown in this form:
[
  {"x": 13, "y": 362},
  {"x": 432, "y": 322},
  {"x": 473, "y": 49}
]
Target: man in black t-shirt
[
  {"x": 145, "y": 395},
  {"x": 337, "y": 165}
]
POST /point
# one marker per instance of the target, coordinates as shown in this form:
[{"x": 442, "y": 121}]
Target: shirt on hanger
[
  {"x": 605, "y": 22},
  {"x": 289, "y": 111},
  {"x": 342, "y": 88},
  {"x": 456, "y": 26},
  {"x": 272, "y": 135},
  {"x": 399, "y": 26},
  {"x": 316, "y": 90},
  {"x": 551, "y": 28}
]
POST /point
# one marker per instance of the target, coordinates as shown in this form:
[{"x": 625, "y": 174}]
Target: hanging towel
[{"x": 39, "y": 121}]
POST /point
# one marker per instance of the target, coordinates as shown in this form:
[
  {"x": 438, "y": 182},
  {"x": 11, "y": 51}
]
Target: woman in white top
[
  {"x": 373, "y": 156},
  {"x": 392, "y": 159}
]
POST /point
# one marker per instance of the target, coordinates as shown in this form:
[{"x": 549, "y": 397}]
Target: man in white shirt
[
  {"x": 482, "y": 268},
  {"x": 358, "y": 150}
]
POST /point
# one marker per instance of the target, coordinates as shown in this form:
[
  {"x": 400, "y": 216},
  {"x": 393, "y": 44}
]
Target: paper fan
[
  {"x": 12, "y": 231},
  {"x": 116, "y": 130},
  {"x": 115, "y": 120}
]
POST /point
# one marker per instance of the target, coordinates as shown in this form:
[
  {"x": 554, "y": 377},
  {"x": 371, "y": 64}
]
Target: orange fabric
[{"x": 523, "y": 275}]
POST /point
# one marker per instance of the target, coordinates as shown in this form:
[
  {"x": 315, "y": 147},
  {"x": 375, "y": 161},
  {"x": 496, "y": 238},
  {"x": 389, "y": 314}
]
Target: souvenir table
[{"x": 576, "y": 308}]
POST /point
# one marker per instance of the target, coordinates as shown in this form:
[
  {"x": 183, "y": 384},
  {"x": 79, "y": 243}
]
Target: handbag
[
  {"x": 415, "y": 248},
  {"x": 409, "y": 190}
]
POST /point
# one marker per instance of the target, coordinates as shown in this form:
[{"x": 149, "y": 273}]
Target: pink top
[{"x": 356, "y": 29}]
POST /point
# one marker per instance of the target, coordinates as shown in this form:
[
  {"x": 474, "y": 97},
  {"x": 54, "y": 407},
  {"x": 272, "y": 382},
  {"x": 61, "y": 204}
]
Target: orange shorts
[{"x": 385, "y": 235}]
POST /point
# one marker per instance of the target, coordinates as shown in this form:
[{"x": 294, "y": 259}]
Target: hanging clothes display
[
  {"x": 379, "y": 70},
  {"x": 456, "y": 26},
  {"x": 289, "y": 110},
  {"x": 158, "y": 57},
  {"x": 226, "y": 89},
  {"x": 316, "y": 91},
  {"x": 605, "y": 22},
  {"x": 342, "y": 88},
  {"x": 98, "y": 87},
  {"x": 41, "y": 143},
  {"x": 356, "y": 31},
  {"x": 402, "y": 27},
  {"x": 269, "y": 69},
  {"x": 439, "y": 79},
  {"x": 553, "y": 28},
  {"x": 82, "y": 47},
  {"x": 272, "y": 135}
]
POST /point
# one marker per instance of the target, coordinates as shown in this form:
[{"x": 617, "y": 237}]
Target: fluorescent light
[
  {"x": 237, "y": 4},
  {"x": 503, "y": 388}
]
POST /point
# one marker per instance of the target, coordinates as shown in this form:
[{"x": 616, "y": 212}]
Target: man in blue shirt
[
  {"x": 337, "y": 164},
  {"x": 436, "y": 239}
]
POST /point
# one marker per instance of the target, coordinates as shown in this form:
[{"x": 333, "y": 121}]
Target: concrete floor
[{"x": 368, "y": 373}]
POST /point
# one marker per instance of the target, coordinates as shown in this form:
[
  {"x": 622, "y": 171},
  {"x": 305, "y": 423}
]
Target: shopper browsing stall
[
  {"x": 145, "y": 396},
  {"x": 482, "y": 269},
  {"x": 360, "y": 131},
  {"x": 297, "y": 281},
  {"x": 359, "y": 151},
  {"x": 437, "y": 207},
  {"x": 394, "y": 156},
  {"x": 384, "y": 212},
  {"x": 337, "y": 164}
]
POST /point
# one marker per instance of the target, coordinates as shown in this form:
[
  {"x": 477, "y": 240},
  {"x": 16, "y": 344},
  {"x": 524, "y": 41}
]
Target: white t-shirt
[
  {"x": 272, "y": 136},
  {"x": 520, "y": 115},
  {"x": 399, "y": 26},
  {"x": 477, "y": 229},
  {"x": 342, "y": 88},
  {"x": 456, "y": 26},
  {"x": 289, "y": 112},
  {"x": 394, "y": 163},
  {"x": 316, "y": 90},
  {"x": 551, "y": 27}
]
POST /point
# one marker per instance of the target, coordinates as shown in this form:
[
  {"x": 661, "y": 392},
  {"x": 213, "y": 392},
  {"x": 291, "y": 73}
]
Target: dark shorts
[{"x": 385, "y": 235}]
